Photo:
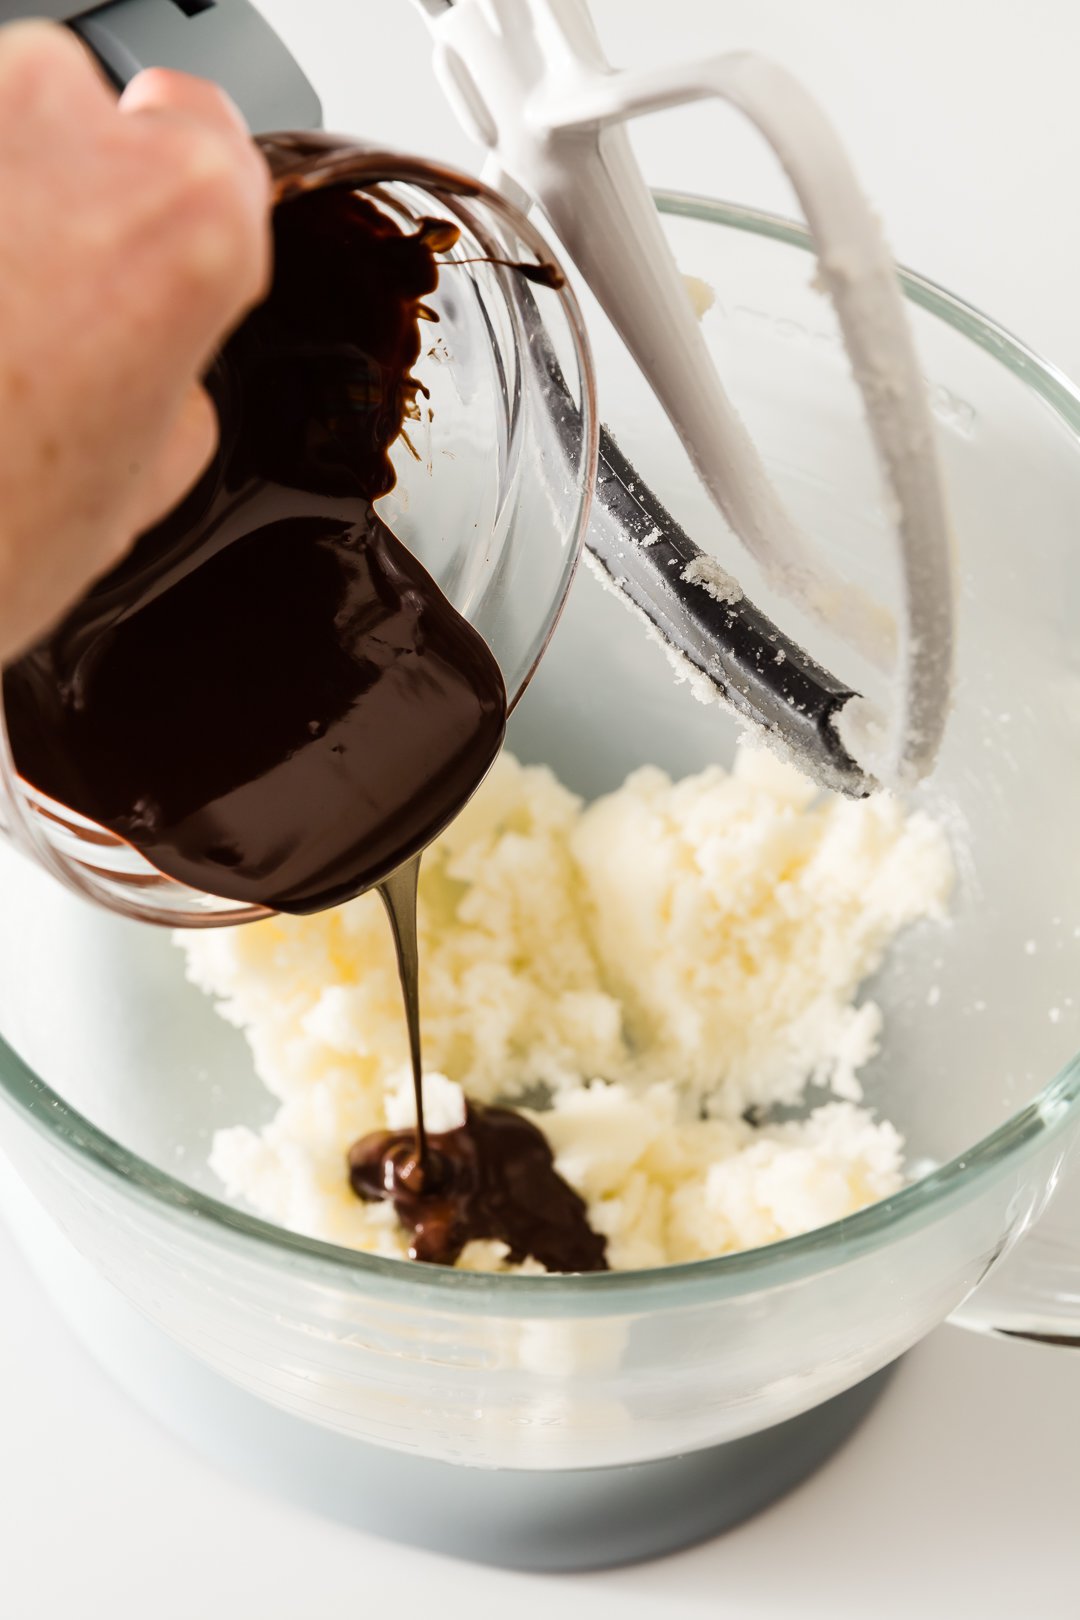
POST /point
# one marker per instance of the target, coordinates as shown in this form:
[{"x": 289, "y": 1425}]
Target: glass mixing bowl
[
  {"x": 494, "y": 477},
  {"x": 114, "y": 1072}
]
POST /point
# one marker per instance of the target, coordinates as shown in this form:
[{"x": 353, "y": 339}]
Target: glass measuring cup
[
  {"x": 494, "y": 478},
  {"x": 113, "y": 1072}
]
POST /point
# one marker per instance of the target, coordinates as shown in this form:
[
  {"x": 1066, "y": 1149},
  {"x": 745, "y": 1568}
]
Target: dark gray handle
[{"x": 225, "y": 40}]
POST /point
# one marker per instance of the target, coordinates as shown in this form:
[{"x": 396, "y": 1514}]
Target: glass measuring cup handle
[{"x": 1033, "y": 1290}]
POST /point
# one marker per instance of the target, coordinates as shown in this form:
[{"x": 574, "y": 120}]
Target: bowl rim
[{"x": 1044, "y": 1119}]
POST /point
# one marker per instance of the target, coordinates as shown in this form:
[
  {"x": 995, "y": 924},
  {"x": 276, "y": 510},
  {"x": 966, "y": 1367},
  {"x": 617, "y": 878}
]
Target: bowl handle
[{"x": 1033, "y": 1292}]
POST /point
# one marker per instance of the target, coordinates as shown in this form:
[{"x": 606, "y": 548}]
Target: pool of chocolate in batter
[
  {"x": 270, "y": 698},
  {"x": 492, "y": 1177}
]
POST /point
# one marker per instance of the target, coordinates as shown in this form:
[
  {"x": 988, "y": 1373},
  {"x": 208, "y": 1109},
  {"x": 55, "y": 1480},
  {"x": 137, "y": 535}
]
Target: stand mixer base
[{"x": 561, "y": 1520}]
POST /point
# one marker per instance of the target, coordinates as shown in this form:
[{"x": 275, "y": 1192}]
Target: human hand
[{"x": 134, "y": 234}]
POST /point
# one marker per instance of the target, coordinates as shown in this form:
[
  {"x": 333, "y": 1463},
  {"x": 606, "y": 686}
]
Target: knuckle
[
  {"x": 204, "y": 164},
  {"x": 32, "y": 41},
  {"x": 213, "y": 256},
  {"x": 211, "y": 211},
  {"x": 41, "y": 59}
]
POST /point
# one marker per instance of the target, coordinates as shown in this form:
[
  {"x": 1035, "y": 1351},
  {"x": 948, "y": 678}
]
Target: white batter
[{"x": 655, "y": 963}]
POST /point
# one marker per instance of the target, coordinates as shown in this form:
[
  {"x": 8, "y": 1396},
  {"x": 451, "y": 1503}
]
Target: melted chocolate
[
  {"x": 270, "y": 698},
  {"x": 493, "y": 1177},
  {"x": 541, "y": 275}
]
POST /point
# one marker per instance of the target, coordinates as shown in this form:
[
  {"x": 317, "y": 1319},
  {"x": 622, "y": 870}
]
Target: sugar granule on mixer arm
[{"x": 653, "y": 965}]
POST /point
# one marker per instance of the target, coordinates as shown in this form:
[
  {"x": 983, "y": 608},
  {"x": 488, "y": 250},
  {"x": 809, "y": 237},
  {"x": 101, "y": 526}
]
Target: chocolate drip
[
  {"x": 398, "y": 895},
  {"x": 492, "y": 1177},
  {"x": 541, "y": 275}
]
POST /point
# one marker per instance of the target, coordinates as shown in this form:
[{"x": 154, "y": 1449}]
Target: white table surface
[{"x": 960, "y": 1495}]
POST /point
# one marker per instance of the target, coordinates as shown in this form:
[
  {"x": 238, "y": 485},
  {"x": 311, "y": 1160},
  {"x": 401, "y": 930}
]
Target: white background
[{"x": 961, "y": 1495}]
